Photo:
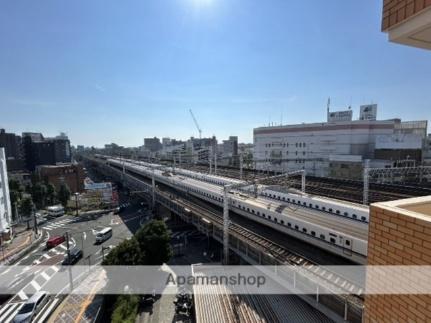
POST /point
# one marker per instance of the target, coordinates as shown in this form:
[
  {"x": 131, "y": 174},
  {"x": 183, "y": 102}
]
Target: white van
[
  {"x": 103, "y": 235},
  {"x": 55, "y": 211}
]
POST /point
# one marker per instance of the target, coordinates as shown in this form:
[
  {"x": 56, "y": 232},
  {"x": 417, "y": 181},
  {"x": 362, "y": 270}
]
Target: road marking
[
  {"x": 46, "y": 256},
  {"x": 47, "y": 312},
  {"x": 63, "y": 246},
  {"x": 22, "y": 295},
  {"x": 11, "y": 311},
  {"x": 84, "y": 236},
  {"x": 35, "y": 285},
  {"x": 45, "y": 275}
]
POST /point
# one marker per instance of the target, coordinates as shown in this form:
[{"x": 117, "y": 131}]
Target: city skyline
[{"x": 86, "y": 70}]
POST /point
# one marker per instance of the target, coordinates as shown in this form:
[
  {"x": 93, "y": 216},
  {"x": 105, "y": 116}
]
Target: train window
[
  {"x": 304, "y": 230},
  {"x": 313, "y": 233},
  {"x": 338, "y": 212},
  {"x": 296, "y": 227},
  {"x": 282, "y": 222},
  {"x": 252, "y": 211},
  {"x": 288, "y": 199},
  {"x": 289, "y": 224},
  {"x": 322, "y": 236},
  {"x": 323, "y": 208},
  {"x": 299, "y": 202},
  {"x": 284, "y": 199},
  {"x": 310, "y": 205},
  {"x": 275, "y": 220},
  {"x": 294, "y": 201},
  {"x": 248, "y": 209},
  {"x": 304, "y": 203},
  {"x": 317, "y": 207},
  {"x": 332, "y": 240},
  {"x": 263, "y": 214},
  {"x": 346, "y": 214},
  {"x": 347, "y": 242},
  {"x": 354, "y": 216},
  {"x": 269, "y": 217},
  {"x": 330, "y": 210},
  {"x": 258, "y": 213},
  {"x": 363, "y": 218}
]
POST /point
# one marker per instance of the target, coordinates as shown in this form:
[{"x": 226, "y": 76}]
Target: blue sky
[{"x": 119, "y": 71}]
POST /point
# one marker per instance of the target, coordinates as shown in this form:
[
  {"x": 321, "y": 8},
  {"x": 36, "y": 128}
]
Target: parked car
[
  {"x": 75, "y": 255},
  {"x": 31, "y": 307},
  {"x": 55, "y": 241}
]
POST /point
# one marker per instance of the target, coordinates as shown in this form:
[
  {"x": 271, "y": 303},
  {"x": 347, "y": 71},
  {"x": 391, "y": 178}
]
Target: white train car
[{"x": 284, "y": 212}]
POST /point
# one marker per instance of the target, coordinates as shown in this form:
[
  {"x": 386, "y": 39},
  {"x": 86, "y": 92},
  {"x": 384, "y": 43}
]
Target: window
[
  {"x": 330, "y": 210},
  {"x": 317, "y": 207},
  {"x": 322, "y": 236},
  {"x": 310, "y": 205},
  {"x": 275, "y": 220},
  {"x": 346, "y": 214},
  {"x": 338, "y": 212},
  {"x": 332, "y": 240},
  {"x": 304, "y": 230},
  {"x": 269, "y": 217},
  {"x": 258, "y": 213},
  {"x": 354, "y": 216},
  {"x": 296, "y": 227},
  {"x": 347, "y": 242},
  {"x": 282, "y": 222},
  {"x": 313, "y": 233},
  {"x": 289, "y": 224},
  {"x": 363, "y": 218}
]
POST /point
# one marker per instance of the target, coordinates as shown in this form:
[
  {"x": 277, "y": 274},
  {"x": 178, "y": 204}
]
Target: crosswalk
[
  {"x": 57, "y": 224},
  {"x": 9, "y": 310}
]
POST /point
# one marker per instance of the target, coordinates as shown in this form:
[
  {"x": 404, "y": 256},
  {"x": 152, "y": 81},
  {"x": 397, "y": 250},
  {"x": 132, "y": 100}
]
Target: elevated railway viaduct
[{"x": 256, "y": 245}]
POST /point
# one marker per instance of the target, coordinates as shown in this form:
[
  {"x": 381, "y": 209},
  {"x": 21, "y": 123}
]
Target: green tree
[
  {"x": 39, "y": 195},
  {"x": 14, "y": 185},
  {"x": 63, "y": 194},
  {"x": 127, "y": 253},
  {"x": 50, "y": 194},
  {"x": 125, "y": 309},
  {"x": 154, "y": 243},
  {"x": 26, "y": 207}
]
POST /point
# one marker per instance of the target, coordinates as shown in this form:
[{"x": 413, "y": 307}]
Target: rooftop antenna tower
[
  {"x": 327, "y": 108},
  {"x": 196, "y": 123}
]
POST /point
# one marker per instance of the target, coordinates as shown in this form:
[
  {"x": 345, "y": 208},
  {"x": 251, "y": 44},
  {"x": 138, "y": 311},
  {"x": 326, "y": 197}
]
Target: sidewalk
[
  {"x": 19, "y": 242},
  {"x": 84, "y": 305}
]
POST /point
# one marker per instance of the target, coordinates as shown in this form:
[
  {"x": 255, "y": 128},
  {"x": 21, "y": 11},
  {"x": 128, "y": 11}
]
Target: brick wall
[
  {"x": 398, "y": 239},
  {"x": 396, "y": 11}
]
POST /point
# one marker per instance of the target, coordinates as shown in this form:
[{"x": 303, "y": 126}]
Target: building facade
[
  {"x": 311, "y": 146},
  {"x": 72, "y": 175},
  {"x": 230, "y": 147},
  {"x": 13, "y": 150},
  {"x": 152, "y": 144},
  {"x": 399, "y": 235},
  {"x": 5, "y": 206},
  {"x": 408, "y": 22}
]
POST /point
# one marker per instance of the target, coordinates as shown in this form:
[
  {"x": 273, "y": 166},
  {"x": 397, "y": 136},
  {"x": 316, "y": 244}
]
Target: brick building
[
  {"x": 72, "y": 175},
  {"x": 408, "y": 22},
  {"x": 399, "y": 234}
]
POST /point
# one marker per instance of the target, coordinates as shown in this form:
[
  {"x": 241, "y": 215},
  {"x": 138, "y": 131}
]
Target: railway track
[
  {"x": 343, "y": 189},
  {"x": 278, "y": 252}
]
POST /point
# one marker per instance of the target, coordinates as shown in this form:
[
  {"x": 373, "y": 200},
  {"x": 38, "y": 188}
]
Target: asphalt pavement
[{"x": 81, "y": 232}]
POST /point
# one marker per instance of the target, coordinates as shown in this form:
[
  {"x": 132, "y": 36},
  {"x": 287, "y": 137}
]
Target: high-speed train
[{"x": 333, "y": 225}]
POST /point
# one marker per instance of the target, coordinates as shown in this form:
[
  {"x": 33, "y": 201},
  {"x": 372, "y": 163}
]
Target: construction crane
[{"x": 196, "y": 123}]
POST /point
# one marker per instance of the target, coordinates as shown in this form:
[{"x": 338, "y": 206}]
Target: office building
[
  {"x": 13, "y": 150},
  {"x": 72, "y": 175},
  {"x": 152, "y": 144}
]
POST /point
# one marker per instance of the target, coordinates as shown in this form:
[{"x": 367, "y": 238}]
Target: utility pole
[
  {"x": 241, "y": 161},
  {"x": 226, "y": 223},
  {"x": 76, "y": 203},
  {"x": 366, "y": 181},
  {"x": 215, "y": 163},
  {"x": 153, "y": 191},
  {"x": 35, "y": 223},
  {"x": 210, "y": 159}
]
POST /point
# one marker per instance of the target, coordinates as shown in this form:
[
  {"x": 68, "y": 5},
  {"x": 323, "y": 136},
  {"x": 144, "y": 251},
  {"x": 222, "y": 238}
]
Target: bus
[
  {"x": 103, "y": 235},
  {"x": 55, "y": 210}
]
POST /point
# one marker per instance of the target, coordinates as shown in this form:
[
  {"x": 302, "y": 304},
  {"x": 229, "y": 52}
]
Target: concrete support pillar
[
  {"x": 303, "y": 181},
  {"x": 153, "y": 191},
  {"x": 226, "y": 226}
]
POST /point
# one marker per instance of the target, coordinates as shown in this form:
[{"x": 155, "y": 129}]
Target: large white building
[
  {"x": 311, "y": 146},
  {"x": 5, "y": 206}
]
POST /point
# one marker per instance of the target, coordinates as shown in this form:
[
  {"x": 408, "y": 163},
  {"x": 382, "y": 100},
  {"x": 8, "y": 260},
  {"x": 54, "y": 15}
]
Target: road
[{"x": 81, "y": 231}]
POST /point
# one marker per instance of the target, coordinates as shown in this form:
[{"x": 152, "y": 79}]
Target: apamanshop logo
[{"x": 226, "y": 280}]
